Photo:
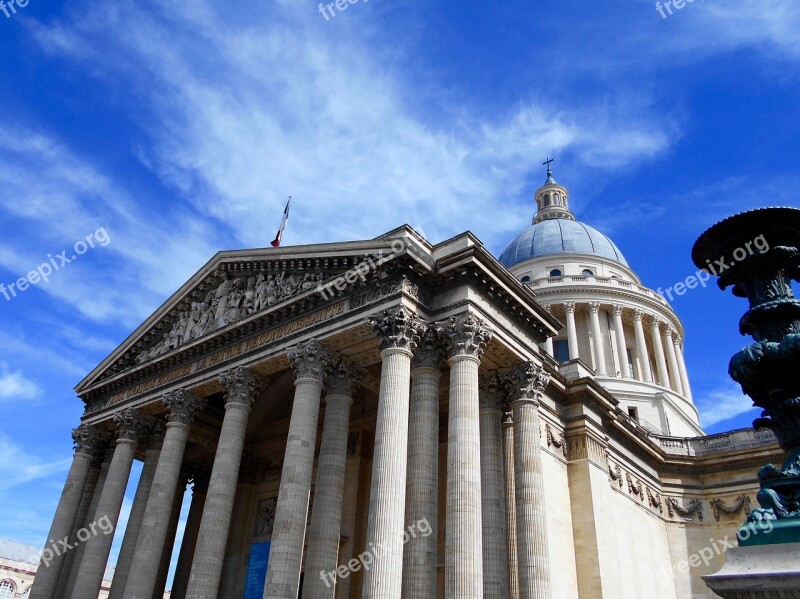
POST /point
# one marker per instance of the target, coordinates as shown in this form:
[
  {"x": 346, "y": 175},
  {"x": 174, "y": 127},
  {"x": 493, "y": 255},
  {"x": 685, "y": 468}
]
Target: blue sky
[{"x": 179, "y": 128}]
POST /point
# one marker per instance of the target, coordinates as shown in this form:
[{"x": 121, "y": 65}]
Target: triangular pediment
[{"x": 235, "y": 287}]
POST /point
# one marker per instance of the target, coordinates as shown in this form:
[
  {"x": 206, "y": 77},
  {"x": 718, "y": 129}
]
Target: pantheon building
[{"x": 390, "y": 418}]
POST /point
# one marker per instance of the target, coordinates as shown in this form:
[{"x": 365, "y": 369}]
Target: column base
[{"x": 759, "y": 572}]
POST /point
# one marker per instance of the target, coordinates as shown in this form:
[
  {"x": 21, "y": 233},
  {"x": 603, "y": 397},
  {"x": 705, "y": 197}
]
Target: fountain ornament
[{"x": 769, "y": 369}]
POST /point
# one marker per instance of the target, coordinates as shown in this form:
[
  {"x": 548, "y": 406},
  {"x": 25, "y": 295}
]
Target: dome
[{"x": 559, "y": 236}]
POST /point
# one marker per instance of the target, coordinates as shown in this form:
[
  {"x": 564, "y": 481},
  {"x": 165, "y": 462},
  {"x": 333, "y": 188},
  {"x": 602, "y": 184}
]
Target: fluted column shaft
[
  {"x": 687, "y": 390},
  {"x": 291, "y": 513},
  {"x": 532, "y": 550},
  {"x": 597, "y": 339},
  {"x": 511, "y": 506},
  {"x": 149, "y": 554},
  {"x": 239, "y": 386},
  {"x": 493, "y": 501},
  {"x": 47, "y": 576},
  {"x": 66, "y": 586},
  {"x": 422, "y": 479},
  {"x": 389, "y": 467},
  {"x": 183, "y": 568},
  {"x": 674, "y": 370},
  {"x": 641, "y": 348},
  {"x": 128, "y": 549},
  {"x": 98, "y": 546},
  {"x": 621, "y": 346},
  {"x": 467, "y": 338},
  {"x": 326, "y": 518},
  {"x": 658, "y": 350},
  {"x": 169, "y": 540},
  {"x": 572, "y": 334},
  {"x": 80, "y": 520}
]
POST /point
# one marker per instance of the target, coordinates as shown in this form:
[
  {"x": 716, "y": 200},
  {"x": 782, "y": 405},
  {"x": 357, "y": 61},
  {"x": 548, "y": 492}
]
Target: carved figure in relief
[{"x": 221, "y": 296}]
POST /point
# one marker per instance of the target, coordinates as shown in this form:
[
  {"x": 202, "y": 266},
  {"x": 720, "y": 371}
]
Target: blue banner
[{"x": 257, "y": 571}]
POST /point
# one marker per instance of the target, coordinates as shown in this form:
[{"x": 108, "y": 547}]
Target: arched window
[
  {"x": 547, "y": 200},
  {"x": 525, "y": 279},
  {"x": 556, "y": 200},
  {"x": 555, "y": 273},
  {"x": 27, "y": 593},
  {"x": 6, "y": 589},
  {"x": 587, "y": 272}
]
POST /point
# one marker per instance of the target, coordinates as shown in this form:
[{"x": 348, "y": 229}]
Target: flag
[{"x": 277, "y": 241}]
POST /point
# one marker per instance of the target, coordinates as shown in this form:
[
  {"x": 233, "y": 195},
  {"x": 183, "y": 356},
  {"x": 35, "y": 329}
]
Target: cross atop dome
[
  {"x": 552, "y": 199},
  {"x": 547, "y": 163}
]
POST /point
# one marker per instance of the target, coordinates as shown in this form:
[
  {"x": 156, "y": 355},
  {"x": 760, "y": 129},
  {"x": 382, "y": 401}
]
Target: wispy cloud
[
  {"x": 18, "y": 466},
  {"x": 723, "y": 403},
  {"x": 15, "y": 387}
]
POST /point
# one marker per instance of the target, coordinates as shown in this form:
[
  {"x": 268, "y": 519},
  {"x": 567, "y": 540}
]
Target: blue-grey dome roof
[{"x": 559, "y": 236}]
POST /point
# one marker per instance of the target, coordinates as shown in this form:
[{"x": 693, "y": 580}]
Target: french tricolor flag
[{"x": 277, "y": 241}]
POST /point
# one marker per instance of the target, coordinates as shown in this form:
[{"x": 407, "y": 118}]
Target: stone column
[
  {"x": 420, "y": 554},
  {"x": 169, "y": 540},
  {"x": 674, "y": 370},
  {"x": 240, "y": 388},
  {"x": 641, "y": 348},
  {"x": 80, "y": 520},
  {"x": 399, "y": 332},
  {"x": 130, "y": 427},
  {"x": 309, "y": 361},
  {"x": 687, "y": 390},
  {"x": 511, "y": 502},
  {"x": 621, "y": 346},
  {"x": 66, "y": 583},
  {"x": 326, "y": 519},
  {"x": 128, "y": 549},
  {"x": 493, "y": 500},
  {"x": 597, "y": 339},
  {"x": 466, "y": 337},
  {"x": 530, "y": 381},
  {"x": 658, "y": 350},
  {"x": 572, "y": 335},
  {"x": 86, "y": 440},
  {"x": 181, "y": 407},
  {"x": 182, "y": 569}
]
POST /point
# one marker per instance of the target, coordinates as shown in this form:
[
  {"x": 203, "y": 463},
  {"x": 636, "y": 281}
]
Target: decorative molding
[
  {"x": 89, "y": 440},
  {"x": 309, "y": 360},
  {"x": 240, "y": 386},
  {"x": 615, "y": 474},
  {"x": 742, "y": 503},
  {"x": 559, "y": 443},
  {"x": 654, "y": 500},
  {"x": 397, "y": 329},
  {"x": 342, "y": 377},
  {"x": 131, "y": 425},
  {"x": 181, "y": 406},
  {"x": 429, "y": 353},
  {"x": 694, "y": 506},
  {"x": 265, "y": 517},
  {"x": 464, "y": 335},
  {"x": 528, "y": 382},
  {"x": 635, "y": 486},
  {"x": 491, "y": 395}
]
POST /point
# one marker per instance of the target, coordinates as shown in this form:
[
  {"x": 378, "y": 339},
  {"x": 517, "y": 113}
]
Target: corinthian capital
[
  {"x": 594, "y": 307},
  {"x": 464, "y": 335},
  {"x": 131, "y": 425},
  {"x": 88, "y": 439},
  {"x": 181, "y": 406},
  {"x": 491, "y": 394},
  {"x": 397, "y": 329},
  {"x": 240, "y": 386},
  {"x": 342, "y": 378},
  {"x": 529, "y": 381},
  {"x": 309, "y": 360},
  {"x": 430, "y": 353},
  {"x": 569, "y": 307}
]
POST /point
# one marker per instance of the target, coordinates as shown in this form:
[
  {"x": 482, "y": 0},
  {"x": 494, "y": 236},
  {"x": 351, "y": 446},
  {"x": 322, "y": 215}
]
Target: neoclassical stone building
[{"x": 390, "y": 418}]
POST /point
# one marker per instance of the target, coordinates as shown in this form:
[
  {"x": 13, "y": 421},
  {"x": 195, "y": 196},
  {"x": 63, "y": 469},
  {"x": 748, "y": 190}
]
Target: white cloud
[
  {"x": 722, "y": 404},
  {"x": 14, "y": 385},
  {"x": 18, "y": 467}
]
